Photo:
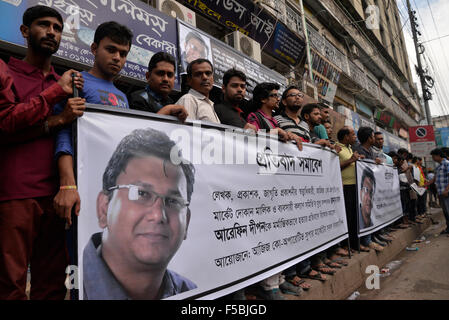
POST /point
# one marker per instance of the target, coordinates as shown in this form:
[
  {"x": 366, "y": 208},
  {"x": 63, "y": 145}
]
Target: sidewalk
[{"x": 348, "y": 279}]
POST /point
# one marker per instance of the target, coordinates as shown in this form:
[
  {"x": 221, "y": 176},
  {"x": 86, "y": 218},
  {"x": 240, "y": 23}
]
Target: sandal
[
  {"x": 323, "y": 269},
  {"x": 297, "y": 281},
  {"x": 364, "y": 249},
  {"x": 337, "y": 259},
  {"x": 342, "y": 252},
  {"x": 332, "y": 264},
  {"x": 341, "y": 262},
  {"x": 317, "y": 276}
]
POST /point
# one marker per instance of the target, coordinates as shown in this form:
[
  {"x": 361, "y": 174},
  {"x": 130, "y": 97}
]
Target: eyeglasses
[
  {"x": 201, "y": 51},
  {"x": 146, "y": 197},
  {"x": 274, "y": 95},
  {"x": 295, "y": 95}
]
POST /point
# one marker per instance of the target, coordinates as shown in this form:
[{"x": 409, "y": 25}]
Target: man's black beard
[
  {"x": 36, "y": 46},
  {"x": 293, "y": 109},
  {"x": 235, "y": 101}
]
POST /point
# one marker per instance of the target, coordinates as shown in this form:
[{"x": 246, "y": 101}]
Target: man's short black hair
[
  {"x": 262, "y": 91},
  {"x": 38, "y": 12},
  {"x": 368, "y": 173},
  {"x": 159, "y": 57},
  {"x": 393, "y": 154},
  {"x": 308, "y": 109},
  {"x": 437, "y": 152},
  {"x": 233, "y": 73},
  {"x": 323, "y": 106},
  {"x": 414, "y": 159},
  {"x": 284, "y": 94},
  {"x": 115, "y": 31},
  {"x": 197, "y": 61},
  {"x": 445, "y": 151},
  {"x": 143, "y": 143},
  {"x": 377, "y": 133},
  {"x": 402, "y": 151},
  {"x": 342, "y": 133},
  {"x": 364, "y": 133}
]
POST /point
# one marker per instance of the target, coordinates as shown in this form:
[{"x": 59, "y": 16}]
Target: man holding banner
[
  {"x": 129, "y": 259},
  {"x": 31, "y": 232}
]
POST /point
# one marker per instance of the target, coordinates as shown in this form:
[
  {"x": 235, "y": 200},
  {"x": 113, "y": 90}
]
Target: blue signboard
[
  {"x": 442, "y": 137},
  {"x": 153, "y": 31}
]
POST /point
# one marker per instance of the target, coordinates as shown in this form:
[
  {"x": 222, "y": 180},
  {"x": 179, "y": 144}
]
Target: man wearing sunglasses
[{"x": 144, "y": 211}]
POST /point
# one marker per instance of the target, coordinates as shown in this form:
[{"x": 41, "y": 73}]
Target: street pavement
[{"x": 421, "y": 275}]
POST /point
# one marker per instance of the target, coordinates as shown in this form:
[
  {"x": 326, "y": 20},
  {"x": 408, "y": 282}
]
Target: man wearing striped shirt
[{"x": 289, "y": 120}]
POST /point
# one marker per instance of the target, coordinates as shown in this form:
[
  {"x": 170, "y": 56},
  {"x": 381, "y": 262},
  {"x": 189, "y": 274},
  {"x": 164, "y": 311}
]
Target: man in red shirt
[{"x": 30, "y": 231}]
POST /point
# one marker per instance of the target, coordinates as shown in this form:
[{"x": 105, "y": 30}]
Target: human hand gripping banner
[
  {"x": 379, "y": 199},
  {"x": 176, "y": 211}
]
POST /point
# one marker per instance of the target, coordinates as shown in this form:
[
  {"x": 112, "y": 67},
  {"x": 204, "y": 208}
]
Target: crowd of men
[{"x": 37, "y": 183}]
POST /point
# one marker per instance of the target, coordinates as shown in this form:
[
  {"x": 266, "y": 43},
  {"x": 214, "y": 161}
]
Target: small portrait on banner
[
  {"x": 367, "y": 190},
  {"x": 193, "y": 45}
]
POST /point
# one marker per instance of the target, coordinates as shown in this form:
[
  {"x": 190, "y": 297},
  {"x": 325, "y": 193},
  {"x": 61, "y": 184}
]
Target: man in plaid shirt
[{"x": 441, "y": 180}]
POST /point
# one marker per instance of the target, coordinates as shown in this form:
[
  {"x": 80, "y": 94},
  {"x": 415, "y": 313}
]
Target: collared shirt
[
  {"x": 198, "y": 106},
  {"x": 148, "y": 100},
  {"x": 348, "y": 173},
  {"x": 28, "y": 169},
  {"x": 99, "y": 283},
  {"x": 442, "y": 176},
  {"x": 368, "y": 153},
  {"x": 255, "y": 119},
  {"x": 96, "y": 91},
  {"x": 321, "y": 132},
  {"x": 230, "y": 115},
  {"x": 288, "y": 124},
  {"x": 16, "y": 115}
]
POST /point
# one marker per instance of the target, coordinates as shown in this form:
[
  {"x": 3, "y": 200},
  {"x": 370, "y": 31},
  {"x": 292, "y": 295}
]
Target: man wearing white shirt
[{"x": 200, "y": 78}]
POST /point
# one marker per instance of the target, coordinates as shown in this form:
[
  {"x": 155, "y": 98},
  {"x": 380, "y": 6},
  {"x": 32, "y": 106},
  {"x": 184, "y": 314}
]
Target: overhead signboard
[{"x": 153, "y": 30}]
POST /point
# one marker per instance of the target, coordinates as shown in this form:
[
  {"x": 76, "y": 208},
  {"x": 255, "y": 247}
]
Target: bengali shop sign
[
  {"x": 153, "y": 31},
  {"x": 379, "y": 196},
  {"x": 256, "y": 207}
]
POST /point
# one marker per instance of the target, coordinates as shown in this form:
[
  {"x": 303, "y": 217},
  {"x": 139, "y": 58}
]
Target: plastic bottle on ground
[{"x": 354, "y": 295}]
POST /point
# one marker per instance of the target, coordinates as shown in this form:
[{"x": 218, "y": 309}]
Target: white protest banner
[
  {"x": 257, "y": 207},
  {"x": 378, "y": 196}
]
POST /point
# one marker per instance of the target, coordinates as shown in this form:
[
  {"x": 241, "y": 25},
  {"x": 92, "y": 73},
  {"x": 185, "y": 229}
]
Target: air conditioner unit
[
  {"x": 245, "y": 45},
  {"x": 176, "y": 10}
]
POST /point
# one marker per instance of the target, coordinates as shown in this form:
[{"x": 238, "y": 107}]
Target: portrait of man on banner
[
  {"x": 367, "y": 189},
  {"x": 193, "y": 46},
  {"x": 143, "y": 209}
]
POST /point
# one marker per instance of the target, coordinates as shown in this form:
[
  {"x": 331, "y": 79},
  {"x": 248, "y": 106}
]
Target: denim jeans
[
  {"x": 444, "y": 201},
  {"x": 365, "y": 240}
]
